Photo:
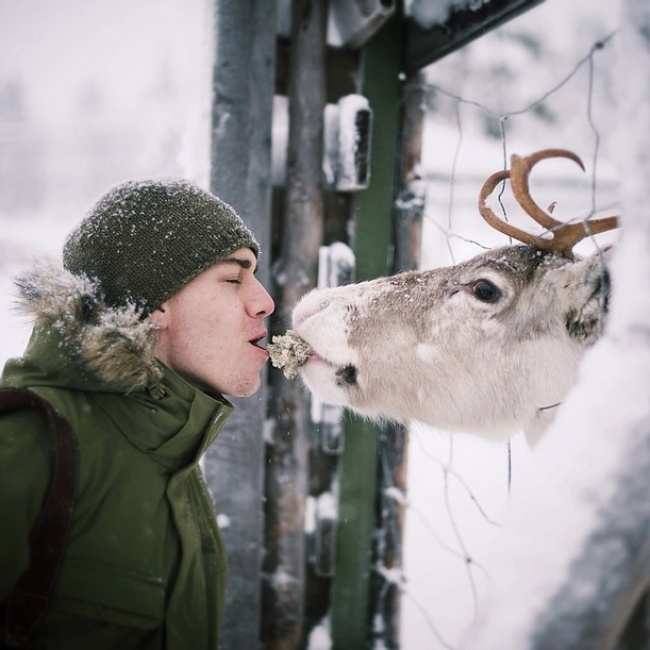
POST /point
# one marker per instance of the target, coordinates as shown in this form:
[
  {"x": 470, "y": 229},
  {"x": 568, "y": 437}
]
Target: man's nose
[{"x": 262, "y": 304}]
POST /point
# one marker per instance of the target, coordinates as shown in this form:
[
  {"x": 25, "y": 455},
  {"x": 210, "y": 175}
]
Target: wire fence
[{"x": 460, "y": 551}]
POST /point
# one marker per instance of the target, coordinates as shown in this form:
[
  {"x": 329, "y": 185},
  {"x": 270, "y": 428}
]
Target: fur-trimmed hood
[{"x": 76, "y": 332}]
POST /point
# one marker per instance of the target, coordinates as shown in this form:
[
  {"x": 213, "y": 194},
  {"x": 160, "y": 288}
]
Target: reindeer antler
[{"x": 565, "y": 235}]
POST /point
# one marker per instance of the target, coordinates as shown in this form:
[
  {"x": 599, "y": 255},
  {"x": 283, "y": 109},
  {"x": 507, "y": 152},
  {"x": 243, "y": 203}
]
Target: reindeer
[{"x": 490, "y": 346}]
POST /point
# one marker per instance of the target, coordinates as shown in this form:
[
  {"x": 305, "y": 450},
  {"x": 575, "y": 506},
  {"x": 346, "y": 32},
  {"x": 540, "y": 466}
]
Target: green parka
[{"x": 144, "y": 566}]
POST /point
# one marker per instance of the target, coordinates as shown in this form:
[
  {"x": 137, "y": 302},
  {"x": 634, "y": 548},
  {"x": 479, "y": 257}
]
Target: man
[{"x": 156, "y": 316}]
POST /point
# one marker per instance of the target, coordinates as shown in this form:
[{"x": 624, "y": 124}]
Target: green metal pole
[{"x": 374, "y": 249}]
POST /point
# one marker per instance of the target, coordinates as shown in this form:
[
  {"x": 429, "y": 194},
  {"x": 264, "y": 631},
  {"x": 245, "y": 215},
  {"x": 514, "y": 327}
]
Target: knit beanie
[{"x": 143, "y": 241}]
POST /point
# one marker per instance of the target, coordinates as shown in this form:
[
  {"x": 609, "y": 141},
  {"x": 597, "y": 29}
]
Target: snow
[
  {"x": 428, "y": 13},
  {"x": 346, "y": 142},
  {"x": 595, "y": 513},
  {"x": 223, "y": 521},
  {"x": 505, "y": 70},
  {"x": 351, "y": 24},
  {"x": 393, "y": 576},
  {"x": 310, "y": 515},
  {"x": 354, "y": 126},
  {"x": 331, "y": 144},
  {"x": 320, "y": 638},
  {"x": 335, "y": 265},
  {"x": 327, "y": 506},
  {"x": 554, "y": 514},
  {"x": 282, "y": 579},
  {"x": 324, "y": 506},
  {"x": 397, "y": 495}
]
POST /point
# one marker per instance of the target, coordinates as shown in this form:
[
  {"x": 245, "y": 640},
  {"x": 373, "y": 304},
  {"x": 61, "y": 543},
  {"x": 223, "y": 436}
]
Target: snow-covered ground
[{"x": 94, "y": 93}]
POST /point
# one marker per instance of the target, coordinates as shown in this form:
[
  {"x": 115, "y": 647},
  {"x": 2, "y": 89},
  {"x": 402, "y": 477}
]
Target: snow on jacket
[{"x": 144, "y": 565}]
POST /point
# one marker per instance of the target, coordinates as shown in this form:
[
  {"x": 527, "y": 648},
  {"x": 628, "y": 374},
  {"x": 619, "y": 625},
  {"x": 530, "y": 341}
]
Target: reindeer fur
[{"x": 420, "y": 345}]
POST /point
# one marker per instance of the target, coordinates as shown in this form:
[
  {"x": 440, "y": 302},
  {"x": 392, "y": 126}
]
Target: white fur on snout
[
  {"x": 426, "y": 348},
  {"x": 320, "y": 319},
  {"x": 321, "y": 380},
  {"x": 310, "y": 304}
]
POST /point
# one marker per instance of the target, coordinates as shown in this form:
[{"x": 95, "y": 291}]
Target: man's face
[{"x": 208, "y": 328}]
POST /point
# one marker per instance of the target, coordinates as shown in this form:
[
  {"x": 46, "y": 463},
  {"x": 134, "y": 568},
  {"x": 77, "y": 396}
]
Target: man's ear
[{"x": 160, "y": 317}]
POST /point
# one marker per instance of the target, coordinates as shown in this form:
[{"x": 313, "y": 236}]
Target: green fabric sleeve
[
  {"x": 69, "y": 632},
  {"x": 25, "y": 468}
]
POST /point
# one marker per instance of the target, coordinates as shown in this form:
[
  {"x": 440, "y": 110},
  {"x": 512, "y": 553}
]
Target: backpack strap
[{"x": 25, "y": 607}]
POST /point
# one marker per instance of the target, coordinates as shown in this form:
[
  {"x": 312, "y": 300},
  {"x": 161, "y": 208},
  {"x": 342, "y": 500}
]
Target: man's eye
[{"x": 234, "y": 281}]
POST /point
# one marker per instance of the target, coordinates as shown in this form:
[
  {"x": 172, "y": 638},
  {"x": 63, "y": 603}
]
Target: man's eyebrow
[{"x": 244, "y": 264}]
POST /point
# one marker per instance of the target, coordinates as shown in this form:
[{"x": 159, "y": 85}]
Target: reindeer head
[{"x": 490, "y": 345}]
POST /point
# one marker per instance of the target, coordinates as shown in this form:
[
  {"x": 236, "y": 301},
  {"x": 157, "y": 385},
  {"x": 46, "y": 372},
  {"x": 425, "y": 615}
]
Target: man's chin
[
  {"x": 244, "y": 389},
  {"x": 243, "y": 393},
  {"x": 240, "y": 387}
]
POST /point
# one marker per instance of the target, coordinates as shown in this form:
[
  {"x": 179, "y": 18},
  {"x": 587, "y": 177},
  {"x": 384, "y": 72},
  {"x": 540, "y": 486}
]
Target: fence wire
[{"x": 460, "y": 550}]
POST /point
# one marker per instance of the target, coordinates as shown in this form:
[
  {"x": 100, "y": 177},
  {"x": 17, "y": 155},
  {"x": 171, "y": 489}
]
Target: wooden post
[
  {"x": 373, "y": 250},
  {"x": 409, "y": 205},
  {"x": 243, "y": 82},
  {"x": 335, "y": 268},
  {"x": 393, "y": 439},
  {"x": 287, "y": 452}
]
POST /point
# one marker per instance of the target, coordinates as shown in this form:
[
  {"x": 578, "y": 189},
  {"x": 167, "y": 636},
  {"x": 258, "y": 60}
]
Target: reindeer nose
[{"x": 311, "y": 304}]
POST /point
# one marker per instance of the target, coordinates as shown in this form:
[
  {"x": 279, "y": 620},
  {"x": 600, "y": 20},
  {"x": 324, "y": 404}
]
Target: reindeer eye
[{"x": 486, "y": 291}]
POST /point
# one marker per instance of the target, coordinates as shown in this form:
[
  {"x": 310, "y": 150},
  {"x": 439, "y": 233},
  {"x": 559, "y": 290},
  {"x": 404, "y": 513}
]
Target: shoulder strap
[{"x": 26, "y": 606}]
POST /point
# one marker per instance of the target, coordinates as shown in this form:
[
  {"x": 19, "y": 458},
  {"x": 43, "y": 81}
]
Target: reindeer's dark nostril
[{"x": 346, "y": 375}]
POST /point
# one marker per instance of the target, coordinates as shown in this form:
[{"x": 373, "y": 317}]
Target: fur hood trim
[{"x": 115, "y": 343}]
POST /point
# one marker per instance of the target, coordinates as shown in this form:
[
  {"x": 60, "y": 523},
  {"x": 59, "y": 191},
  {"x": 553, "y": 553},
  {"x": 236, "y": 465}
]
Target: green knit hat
[{"x": 143, "y": 241}]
